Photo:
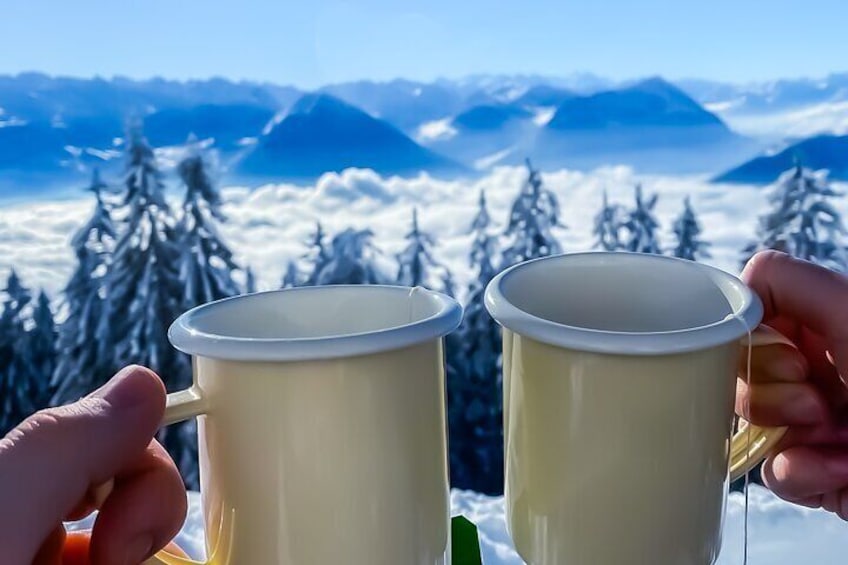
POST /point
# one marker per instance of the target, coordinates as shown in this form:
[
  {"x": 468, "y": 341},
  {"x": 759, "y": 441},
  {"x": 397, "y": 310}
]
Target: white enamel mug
[
  {"x": 619, "y": 387},
  {"x": 322, "y": 431}
]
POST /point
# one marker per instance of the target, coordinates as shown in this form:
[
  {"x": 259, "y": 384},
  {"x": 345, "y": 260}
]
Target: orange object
[{"x": 76, "y": 548}]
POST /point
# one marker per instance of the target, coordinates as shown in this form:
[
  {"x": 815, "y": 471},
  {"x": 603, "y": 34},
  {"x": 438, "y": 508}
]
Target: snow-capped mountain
[
  {"x": 53, "y": 128},
  {"x": 321, "y": 133},
  {"x": 405, "y": 104},
  {"x": 773, "y": 110},
  {"x": 821, "y": 152},
  {"x": 764, "y": 97},
  {"x": 650, "y": 125}
]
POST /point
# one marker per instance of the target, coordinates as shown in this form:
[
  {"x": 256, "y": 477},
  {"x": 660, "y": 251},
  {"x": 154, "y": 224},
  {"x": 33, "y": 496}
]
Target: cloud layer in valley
[{"x": 269, "y": 225}]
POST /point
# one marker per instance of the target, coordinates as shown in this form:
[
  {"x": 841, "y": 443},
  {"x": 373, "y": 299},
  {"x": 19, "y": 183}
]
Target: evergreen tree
[
  {"x": 318, "y": 254},
  {"x": 206, "y": 263},
  {"x": 687, "y": 230},
  {"x": 448, "y": 284},
  {"x": 533, "y": 215},
  {"x": 85, "y": 345},
  {"x": 39, "y": 352},
  {"x": 292, "y": 276},
  {"x": 144, "y": 292},
  {"x": 416, "y": 265},
  {"x": 474, "y": 378},
  {"x": 641, "y": 225},
  {"x": 803, "y": 222},
  {"x": 17, "y": 399},
  {"x": 609, "y": 223},
  {"x": 250, "y": 281},
  {"x": 351, "y": 260}
]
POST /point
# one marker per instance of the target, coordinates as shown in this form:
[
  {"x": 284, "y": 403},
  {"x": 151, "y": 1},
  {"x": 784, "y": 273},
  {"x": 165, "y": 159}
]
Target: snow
[
  {"x": 437, "y": 130},
  {"x": 725, "y": 105},
  {"x": 269, "y": 224},
  {"x": 544, "y": 115},
  {"x": 484, "y": 163},
  {"x": 106, "y": 155},
  {"x": 780, "y": 533},
  {"x": 12, "y": 122}
]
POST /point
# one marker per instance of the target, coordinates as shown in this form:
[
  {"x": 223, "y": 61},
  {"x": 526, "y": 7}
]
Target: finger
[
  {"x": 809, "y": 502},
  {"x": 802, "y": 472},
  {"x": 774, "y": 363},
  {"x": 831, "y": 502},
  {"x": 94, "y": 498},
  {"x": 66, "y": 450},
  {"x": 815, "y": 296},
  {"x": 50, "y": 552},
  {"x": 144, "y": 512},
  {"x": 780, "y": 404}
]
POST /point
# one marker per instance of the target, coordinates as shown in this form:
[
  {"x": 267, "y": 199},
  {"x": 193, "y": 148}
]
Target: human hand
[
  {"x": 98, "y": 453},
  {"x": 803, "y": 389}
]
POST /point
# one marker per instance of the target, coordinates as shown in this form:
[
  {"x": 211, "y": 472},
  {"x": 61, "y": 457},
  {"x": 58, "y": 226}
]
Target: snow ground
[{"x": 779, "y": 533}]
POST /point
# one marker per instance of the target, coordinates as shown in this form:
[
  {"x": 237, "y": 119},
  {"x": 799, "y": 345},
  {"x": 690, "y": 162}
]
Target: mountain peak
[
  {"x": 817, "y": 152},
  {"x": 321, "y": 133},
  {"x": 319, "y": 102}
]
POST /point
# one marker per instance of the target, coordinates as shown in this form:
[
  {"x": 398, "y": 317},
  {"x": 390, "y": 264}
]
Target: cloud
[
  {"x": 269, "y": 225},
  {"x": 437, "y": 130},
  {"x": 816, "y": 119}
]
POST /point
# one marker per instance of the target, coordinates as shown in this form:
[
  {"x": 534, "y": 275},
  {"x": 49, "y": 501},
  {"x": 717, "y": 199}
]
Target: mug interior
[
  {"x": 602, "y": 296},
  {"x": 621, "y": 295},
  {"x": 315, "y": 322}
]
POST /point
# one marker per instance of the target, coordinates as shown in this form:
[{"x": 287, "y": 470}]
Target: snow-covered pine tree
[
  {"x": 85, "y": 353},
  {"x": 533, "y": 215},
  {"x": 609, "y": 223},
  {"x": 249, "y": 281},
  {"x": 448, "y": 284},
  {"x": 416, "y": 264},
  {"x": 16, "y": 399},
  {"x": 687, "y": 231},
  {"x": 474, "y": 378},
  {"x": 641, "y": 225},
  {"x": 291, "y": 278},
  {"x": 351, "y": 260},
  {"x": 803, "y": 222},
  {"x": 206, "y": 264},
  {"x": 144, "y": 292},
  {"x": 318, "y": 255},
  {"x": 38, "y": 352}
]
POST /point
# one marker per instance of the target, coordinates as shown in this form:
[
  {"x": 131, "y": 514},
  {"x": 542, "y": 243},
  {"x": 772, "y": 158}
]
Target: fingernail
[
  {"x": 804, "y": 408},
  {"x": 138, "y": 550},
  {"x": 118, "y": 391}
]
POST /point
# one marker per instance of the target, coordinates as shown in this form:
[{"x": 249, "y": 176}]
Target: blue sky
[{"x": 313, "y": 42}]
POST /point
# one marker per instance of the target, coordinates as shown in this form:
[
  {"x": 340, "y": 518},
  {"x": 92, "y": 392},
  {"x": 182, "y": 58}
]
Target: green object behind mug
[{"x": 465, "y": 543}]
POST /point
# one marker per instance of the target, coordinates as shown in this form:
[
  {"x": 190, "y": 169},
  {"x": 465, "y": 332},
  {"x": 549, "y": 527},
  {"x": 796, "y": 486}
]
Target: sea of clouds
[{"x": 269, "y": 225}]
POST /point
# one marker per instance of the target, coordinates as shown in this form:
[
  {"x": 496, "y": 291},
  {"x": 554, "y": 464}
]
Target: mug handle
[
  {"x": 180, "y": 406},
  {"x": 750, "y": 443}
]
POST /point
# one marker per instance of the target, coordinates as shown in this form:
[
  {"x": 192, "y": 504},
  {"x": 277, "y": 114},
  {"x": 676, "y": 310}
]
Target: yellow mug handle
[
  {"x": 181, "y": 406},
  {"x": 751, "y": 443}
]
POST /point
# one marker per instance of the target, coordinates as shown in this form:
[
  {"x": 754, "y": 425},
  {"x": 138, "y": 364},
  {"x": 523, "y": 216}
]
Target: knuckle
[
  {"x": 45, "y": 425},
  {"x": 766, "y": 261}
]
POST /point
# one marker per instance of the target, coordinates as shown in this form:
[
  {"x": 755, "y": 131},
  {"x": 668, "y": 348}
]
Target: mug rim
[
  {"x": 523, "y": 323},
  {"x": 185, "y": 336}
]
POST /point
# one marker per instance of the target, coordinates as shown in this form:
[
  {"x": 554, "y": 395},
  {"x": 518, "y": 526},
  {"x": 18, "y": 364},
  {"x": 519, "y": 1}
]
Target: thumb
[{"x": 51, "y": 460}]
